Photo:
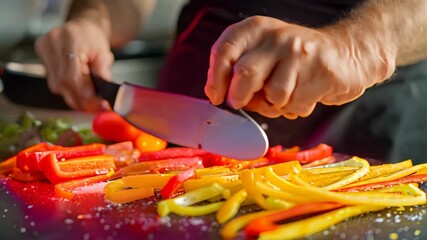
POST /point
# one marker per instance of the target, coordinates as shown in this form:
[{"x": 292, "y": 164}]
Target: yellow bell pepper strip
[
  {"x": 305, "y": 156},
  {"x": 57, "y": 172},
  {"x": 357, "y": 162},
  {"x": 388, "y": 177},
  {"x": 21, "y": 176},
  {"x": 231, "y": 182},
  {"x": 305, "y": 227},
  {"x": 231, "y": 206},
  {"x": 176, "y": 182},
  {"x": 192, "y": 211},
  {"x": 67, "y": 189},
  {"x": 319, "y": 162},
  {"x": 215, "y": 171},
  {"x": 230, "y": 229},
  {"x": 167, "y": 206},
  {"x": 384, "y": 169},
  {"x": 172, "y": 152},
  {"x": 29, "y": 161},
  {"x": 276, "y": 193},
  {"x": 323, "y": 179},
  {"x": 117, "y": 192},
  {"x": 249, "y": 178},
  {"x": 268, "y": 222},
  {"x": 160, "y": 166},
  {"x": 156, "y": 181},
  {"x": 416, "y": 178},
  {"x": 408, "y": 195}
]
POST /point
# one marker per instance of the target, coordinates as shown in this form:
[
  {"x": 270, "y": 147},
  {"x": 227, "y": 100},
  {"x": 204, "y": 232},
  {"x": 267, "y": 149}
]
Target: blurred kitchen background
[{"x": 22, "y": 21}]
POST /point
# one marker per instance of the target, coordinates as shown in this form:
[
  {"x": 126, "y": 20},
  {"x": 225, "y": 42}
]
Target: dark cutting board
[{"x": 29, "y": 211}]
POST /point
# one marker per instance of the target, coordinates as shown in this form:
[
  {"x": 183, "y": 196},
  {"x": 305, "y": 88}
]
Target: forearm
[
  {"x": 399, "y": 26},
  {"x": 119, "y": 20}
]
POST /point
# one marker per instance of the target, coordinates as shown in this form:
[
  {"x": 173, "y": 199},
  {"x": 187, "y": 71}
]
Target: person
[{"x": 349, "y": 73}]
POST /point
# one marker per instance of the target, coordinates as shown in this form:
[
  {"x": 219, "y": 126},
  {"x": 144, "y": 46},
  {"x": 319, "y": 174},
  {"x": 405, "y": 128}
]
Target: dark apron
[{"x": 388, "y": 122}]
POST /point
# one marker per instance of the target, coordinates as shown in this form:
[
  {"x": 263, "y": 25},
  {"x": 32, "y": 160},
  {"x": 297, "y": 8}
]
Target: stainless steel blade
[{"x": 191, "y": 122}]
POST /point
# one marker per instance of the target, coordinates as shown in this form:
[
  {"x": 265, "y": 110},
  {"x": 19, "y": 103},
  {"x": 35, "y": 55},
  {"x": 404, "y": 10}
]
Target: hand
[
  {"x": 275, "y": 68},
  {"x": 70, "y": 53}
]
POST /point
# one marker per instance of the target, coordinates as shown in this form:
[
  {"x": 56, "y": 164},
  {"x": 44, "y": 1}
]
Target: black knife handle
[{"x": 106, "y": 89}]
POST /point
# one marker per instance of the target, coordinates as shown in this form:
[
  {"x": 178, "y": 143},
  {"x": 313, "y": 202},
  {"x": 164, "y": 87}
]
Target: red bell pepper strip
[
  {"x": 17, "y": 174},
  {"x": 111, "y": 126},
  {"x": 268, "y": 222},
  {"x": 176, "y": 182},
  {"x": 10, "y": 163},
  {"x": 29, "y": 161},
  {"x": 174, "y": 152},
  {"x": 416, "y": 178},
  {"x": 76, "y": 168},
  {"x": 305, "y": 156}
]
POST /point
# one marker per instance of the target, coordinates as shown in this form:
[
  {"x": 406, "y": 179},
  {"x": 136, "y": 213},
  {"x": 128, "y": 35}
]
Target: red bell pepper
[
  {"x": 57, "y": 172},
  {"x": 28, "y": 161},
  {"x": 111, "y": 126},
  {"x": 268, "y": 222},
  {"x": 176, "y": 181},
  {"x": 304, "y": 156}
]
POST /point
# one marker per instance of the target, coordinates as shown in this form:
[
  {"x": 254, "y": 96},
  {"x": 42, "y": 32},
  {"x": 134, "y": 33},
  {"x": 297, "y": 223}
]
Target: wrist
[
  {"x": 91, "y": 11},
  {"x": 371, "y": 46}
]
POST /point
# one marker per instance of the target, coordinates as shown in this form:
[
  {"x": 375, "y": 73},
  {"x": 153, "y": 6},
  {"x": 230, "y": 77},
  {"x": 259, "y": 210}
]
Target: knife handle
[{"x": 106, "y": 89}]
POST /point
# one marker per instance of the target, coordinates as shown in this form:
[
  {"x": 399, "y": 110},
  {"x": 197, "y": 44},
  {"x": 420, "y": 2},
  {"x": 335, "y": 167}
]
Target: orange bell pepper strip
[
  {"x": 156, "y": 181},
  {"x": 173, "y": 152},
  {"x": 163, "y": 166},
  {"x": 29, "y": 161},
  {"x": 305, "y": 156},
  {"x": 76, "y": 168},
  {"x": 268, "y": 222},
  {"x": 19, "y": 175},
  {"x": 67, "y": 189},
  {"x": 148, "y": 143},
  {"x": 176, "y": 182}
]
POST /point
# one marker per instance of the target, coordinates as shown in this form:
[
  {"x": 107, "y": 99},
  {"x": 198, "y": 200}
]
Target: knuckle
[
  {"x": 256, "y": 21},
  {"x": 277, "y": 95},
  {"x": 246, "y": 71}
]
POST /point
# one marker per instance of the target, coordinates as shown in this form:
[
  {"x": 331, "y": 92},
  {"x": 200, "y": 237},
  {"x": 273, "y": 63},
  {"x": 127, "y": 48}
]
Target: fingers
[
  {"x": 226, "y": 51},
  {"x": 69, "y": 59}
]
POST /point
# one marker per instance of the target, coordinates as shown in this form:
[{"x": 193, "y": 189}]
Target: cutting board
[{"x": 30, "y": 211}]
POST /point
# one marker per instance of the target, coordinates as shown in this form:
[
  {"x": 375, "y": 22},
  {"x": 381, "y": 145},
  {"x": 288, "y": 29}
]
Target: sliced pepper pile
[{"x": 299, "y": 191}]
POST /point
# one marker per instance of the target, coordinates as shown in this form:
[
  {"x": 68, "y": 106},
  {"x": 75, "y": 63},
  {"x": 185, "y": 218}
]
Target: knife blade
[
  {"x": 179, "y": 119},
  {"x": 185, "y": 120}
]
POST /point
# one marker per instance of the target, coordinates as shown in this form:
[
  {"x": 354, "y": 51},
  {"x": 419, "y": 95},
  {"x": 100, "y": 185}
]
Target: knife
[{"x": 179, "y": 119}]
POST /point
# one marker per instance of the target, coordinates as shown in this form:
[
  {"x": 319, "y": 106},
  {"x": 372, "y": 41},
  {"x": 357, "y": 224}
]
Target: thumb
[{"x": 101, "y": 64}]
